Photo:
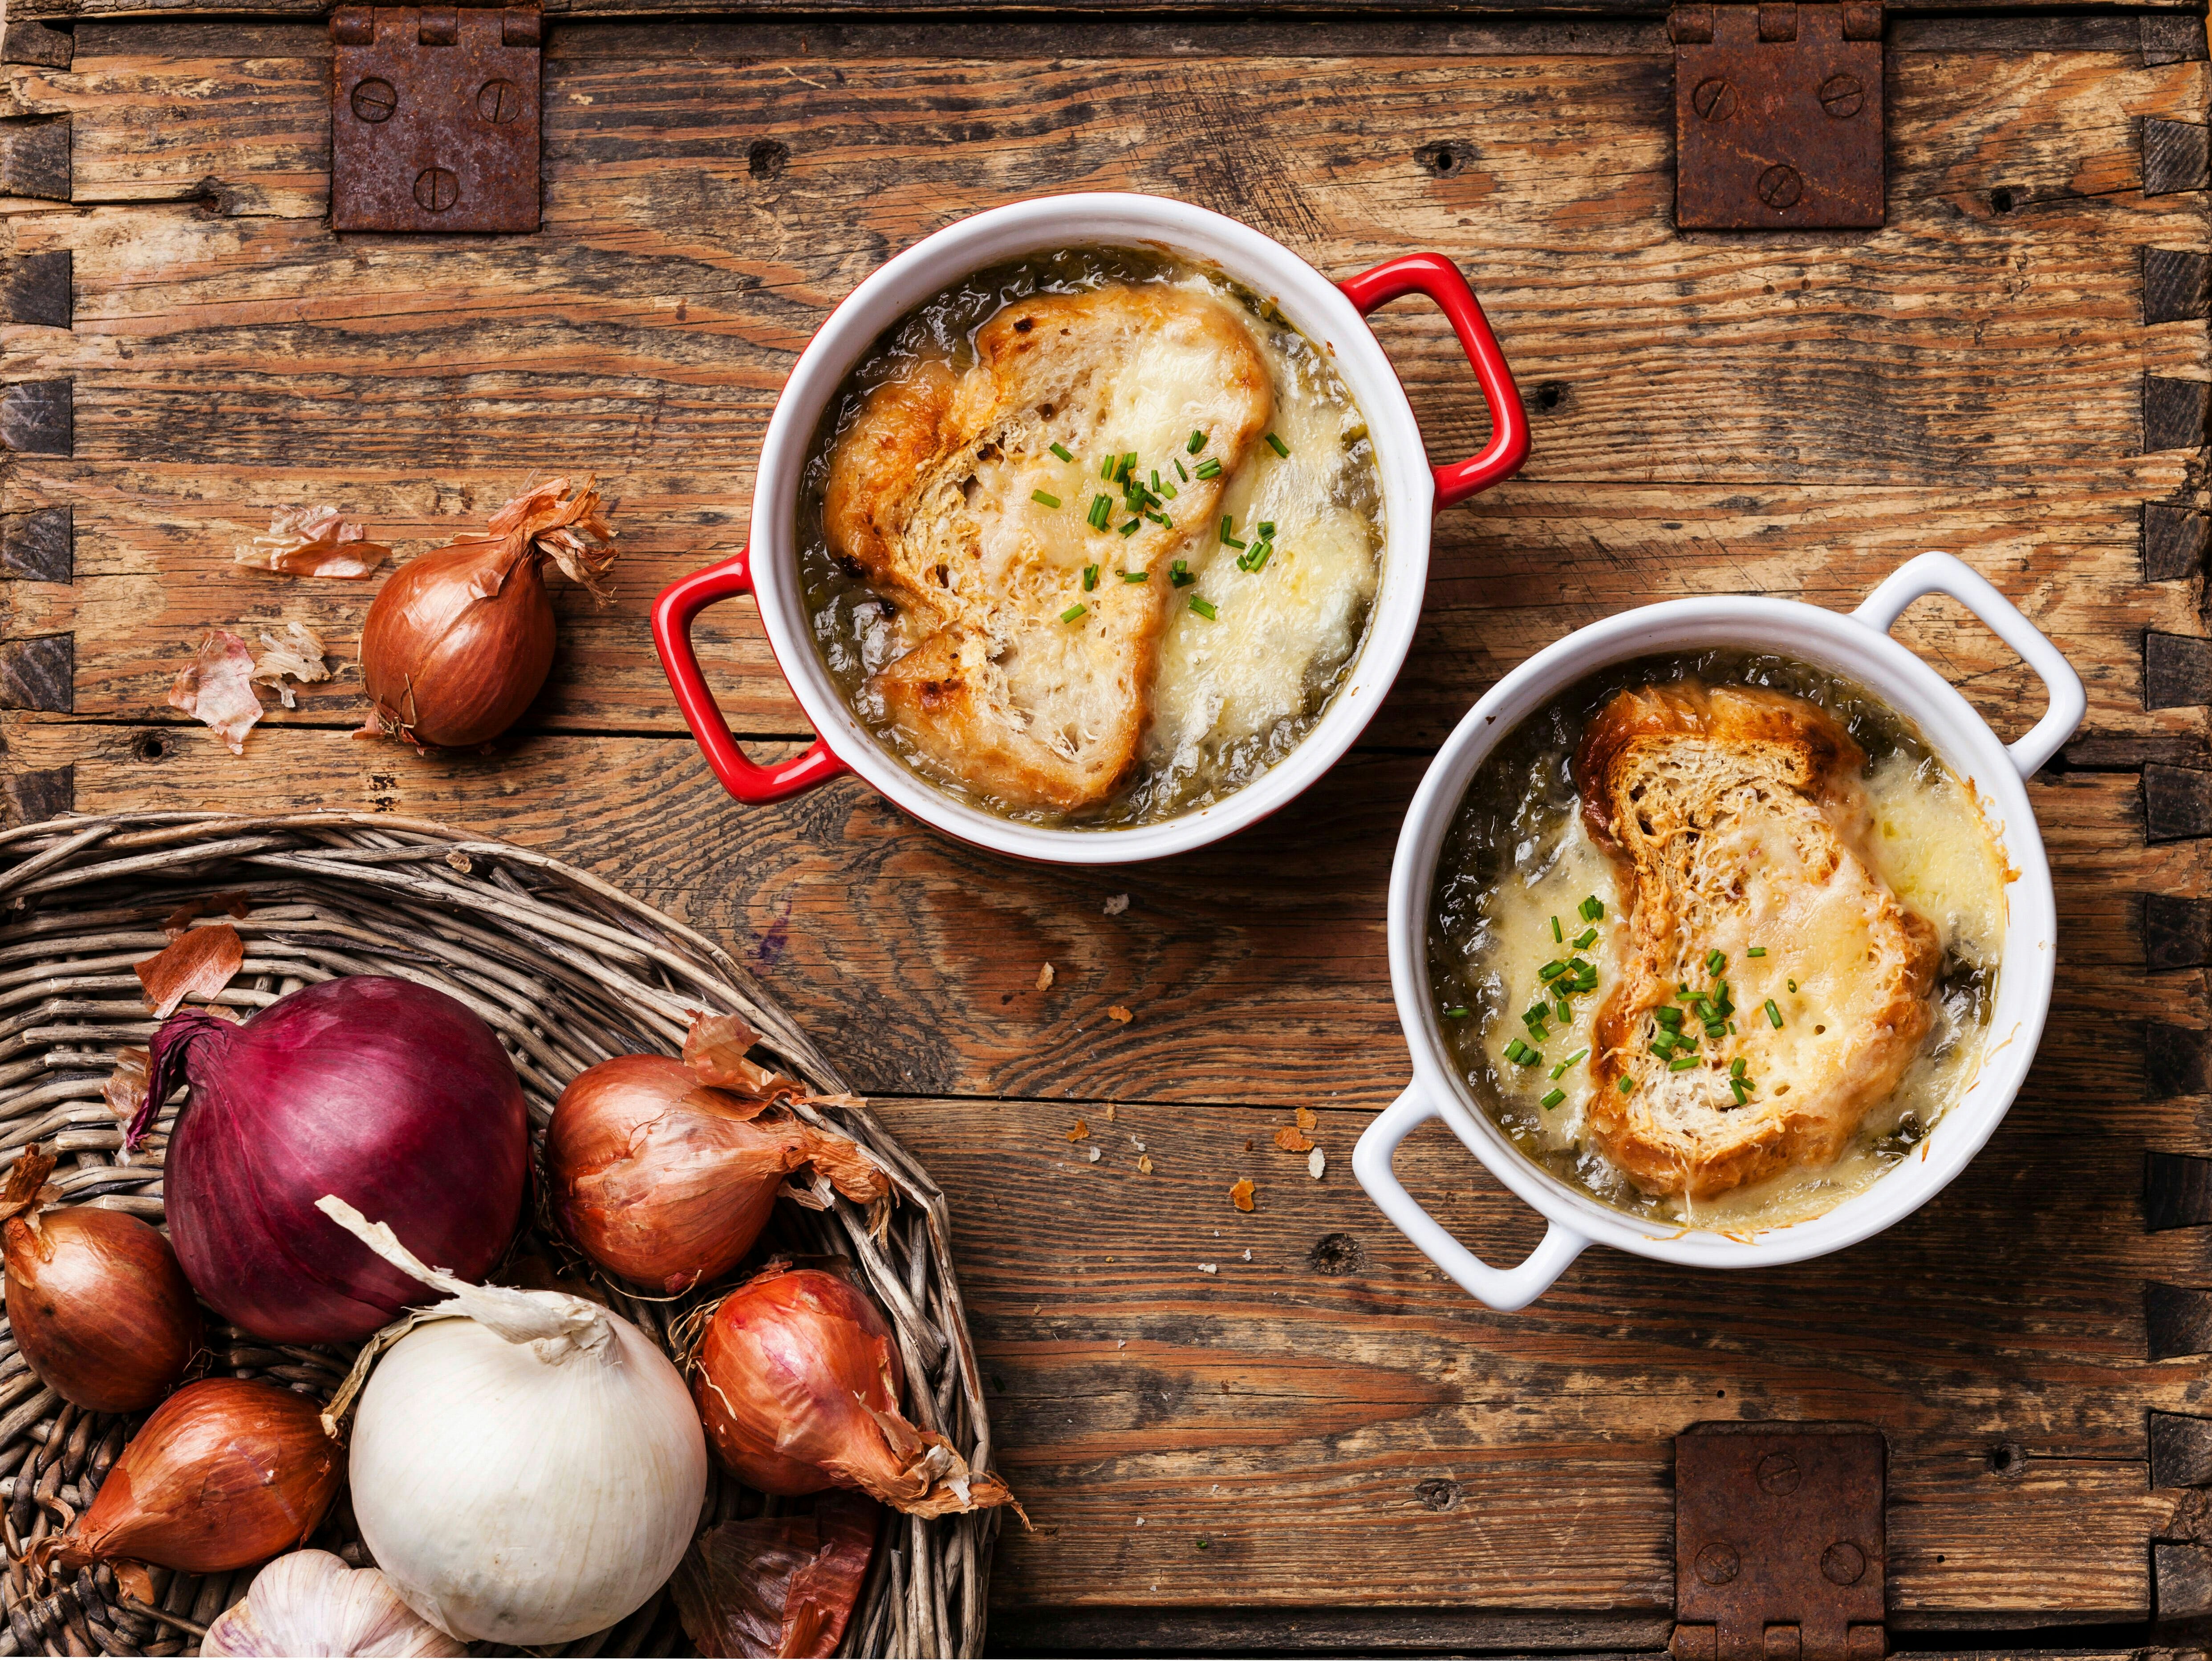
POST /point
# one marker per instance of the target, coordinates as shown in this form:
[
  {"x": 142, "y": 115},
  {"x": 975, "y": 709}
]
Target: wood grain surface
[{"x": 1319, "y": 1442}]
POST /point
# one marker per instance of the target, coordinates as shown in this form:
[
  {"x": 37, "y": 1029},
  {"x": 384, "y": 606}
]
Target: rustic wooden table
[{"x": 1280, "y": 1430}]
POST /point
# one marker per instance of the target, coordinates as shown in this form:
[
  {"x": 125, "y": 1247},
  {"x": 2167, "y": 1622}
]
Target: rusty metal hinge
[
  {"x": 434, "y": 119},
  {"x": 1778, "y": 115},
  {"x": 1779, "y": 1543}
]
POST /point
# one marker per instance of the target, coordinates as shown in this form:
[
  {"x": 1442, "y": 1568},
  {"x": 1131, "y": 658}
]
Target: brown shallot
[
  {"x": 226, "y": 1472},
  {"x": 778, "y": 1585},
  {"x": 668, "y": 1180},
  {"x": 799, "y": 1386},
  {"x": 459, "y": 641}
]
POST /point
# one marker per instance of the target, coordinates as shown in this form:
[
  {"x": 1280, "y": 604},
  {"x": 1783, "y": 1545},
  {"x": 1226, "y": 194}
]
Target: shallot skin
[
  {"x": 458, "y": 665},
  {"x": 786, "y": 1373},
  {"x": 391, "y": 1095},
  {"x": 99, "y": 1308}
]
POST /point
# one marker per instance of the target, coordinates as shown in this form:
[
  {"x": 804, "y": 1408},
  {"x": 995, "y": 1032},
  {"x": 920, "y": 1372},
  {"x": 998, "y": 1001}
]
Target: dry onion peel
[
  {"x": 216, "y": 687},
  {"x": 526, "y": 1466},
  {"x": 310, "y": 1602},
  {"x": 298, "y": 655},
  {"x": 459, "y": 641},
  {"x": 198, "y": 962},
  {"x": 778, "y": 1585},
  {"x": 313, "y": 542}
]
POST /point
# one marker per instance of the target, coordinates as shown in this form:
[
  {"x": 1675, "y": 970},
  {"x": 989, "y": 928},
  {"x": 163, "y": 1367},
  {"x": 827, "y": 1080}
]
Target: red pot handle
[
  {"x": 1433, "y": 275},
  {"x": 673, "y": 613}
]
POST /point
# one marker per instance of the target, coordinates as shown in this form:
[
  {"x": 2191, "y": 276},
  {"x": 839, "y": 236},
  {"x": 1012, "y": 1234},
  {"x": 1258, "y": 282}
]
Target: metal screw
[
  {"x": 436, "y": 189},
  {"x": 1715, "y": 100},
  {"x": 374, "y": 101},
  {"x": 1843, "y": 1563},
  {"x": 1779, "y": 186},
  {"x": 1718, "y": 1563},
  {"x": 1841, "y": 95},
  {"x": 1778, "y": 1472},
  {"x": 500, "y": 102}
]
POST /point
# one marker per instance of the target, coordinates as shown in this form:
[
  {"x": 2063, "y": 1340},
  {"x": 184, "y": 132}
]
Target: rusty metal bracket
[
  {"x": 1778, "y": 115},
  {"x": 1779, "y": 1543},
  {"x": 434, "y": 119}
]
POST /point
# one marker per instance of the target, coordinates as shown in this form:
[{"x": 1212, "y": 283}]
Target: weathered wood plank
[{"x": 2174, "y": 538}]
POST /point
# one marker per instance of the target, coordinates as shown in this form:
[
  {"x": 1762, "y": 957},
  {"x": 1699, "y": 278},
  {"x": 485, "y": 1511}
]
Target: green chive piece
[
  {"x": 1209, "y": 468},
  {"x": 1553, "y": 1098},
  {"x": 1558, "y": 1068},
  {"x": 1073, "y": 612},
  {"x": 1592, "y": 909},
  {"x": 1181, "y": 576},
  {"x": 1106, "y": 467},
  {"x": 1735, "y": 1067},
  {"x": 1627, "y": 1085},
  {"x": 1557, "y": 934},
  {"x": 1227, "y": 540},
  {"x": 1136, "y": 577},
  {"x": 1584, "y": 941},
  {"x": 1756, "y": 952},
  {"x": 1168, "y": 490},
  {"x": 1742, "y": 1090},
  {"x": 1063, "y": 453},
  {"x": 1133, "y": 527},
  {"x": 1260, "y": 557},
  {"x": 1667, "y": 1016},
  {"x": 1534, "y": 1013},
  {"x": 1159, "y": 519},
  {"x": 1715, "y": 962},
  {"x": 1157, "y": 486},
  {"x": 1682, "y": 987},
  {"x": 1577, "y": 1056},
  {"x": 1731, "y": 1029},
  {"x": 1278, "y": 446},
  {"x": 1203, "y": 607},
  {"x": 1267, "y": 530},
  {"x": 1102, "y": 508},
  {"x": 1566, "y": 1012},
  {"x": 1196, "y": 441},
  {"x": 1663, "y": 1047},
  {"x": 1681, "y": 1063},
  {"x": 1183, "y": 474},
  {"x": 1046, "y": 497},
  {"x": 1456, "y": 1012},
  {"x": 1552, "y": 970},
  {"x": 1792, "y": 986},
  {"x": 1089, "y": 578},
  {"x": 1773, "y": 1015},
  {"x": 1577, "y": 967}
]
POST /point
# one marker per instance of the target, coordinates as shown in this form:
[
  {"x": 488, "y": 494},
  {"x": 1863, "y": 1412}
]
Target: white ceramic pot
[
  {"x": 1326, "y": 312},
  {"x": 1859, "y": 648}
]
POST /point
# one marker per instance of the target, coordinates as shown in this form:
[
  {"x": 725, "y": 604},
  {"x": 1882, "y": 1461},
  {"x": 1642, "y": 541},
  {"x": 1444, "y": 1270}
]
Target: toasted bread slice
[
  {"x": 931, "y": 492},
  {"x": 1737, "y": 818}
]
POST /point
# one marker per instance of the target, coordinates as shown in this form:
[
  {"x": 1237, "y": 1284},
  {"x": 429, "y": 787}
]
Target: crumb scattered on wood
[
  {"x": 1092, "y": 1155},
  {"x": 1317, "y": 1162},
  {"x": 1243, "y": 1193},
  {"x": 1082, "y": 1129},
  {"x": 298, "y": 654},
  {"x": 313, "y": 542},
  {"x": 1044, "y": 977},
  {"x": 1293, "y": 1141},
  {"x": 1117, "y": 905},
  {"x": 1145, "y": 1164},
  {"x": 1306, "y": 1118},
  {"x": 216, "y": 687},
  {"x": 1120, "y": 1012},
  {"x": 1108, "y": 1115},
  {"x": 1203, "y": 1268}
]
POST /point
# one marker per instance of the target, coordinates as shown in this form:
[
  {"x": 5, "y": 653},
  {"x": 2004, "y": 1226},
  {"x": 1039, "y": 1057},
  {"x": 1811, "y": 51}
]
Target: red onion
[
  {"x": 799, "y": 1386},
  {"x": 394, "y": 1097}
]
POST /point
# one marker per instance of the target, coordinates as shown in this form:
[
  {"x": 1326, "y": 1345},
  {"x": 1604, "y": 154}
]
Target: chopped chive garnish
[
  {"x": 1557, "y": 934},
  {"x": 1662, "y": 1047},
  {"x": 1046, "y": 497},
  {"x": 1089, "y": 578},
  {"x": 1101, "y": 507},
  {"x": 1132, "y": 527},
  {"x": 1278, "y": 446},
  {"x": 1792, "y": 986},
  {"x": 1558, "y": 1068},
  {"x": 1106, "y": 467},
  {"x": 1534, "y": 1013},
  {"x": 1627, "y": 1085},
  {"x": 1182, "y": 473},
  {"x": 1168, "y": 491},
  {"x": 1209, "y": 468},
  {"x": 1136, "y": 577},
  {"x": 1457, "y": 1012},
  {"x": 1577, "y": 966},
  {"x": 1735, "y": 1067},
  {"x": 1667, "y": 1016},
  {"x": 1553, "y": 1099},
  {"x": 1159, "y": 519},
  {"x": 1227, "y": 540},
  {"x": 1180, "y": 575},
  {"x": 1773, "y": 1015},
  {"x": 1073, "y": 612},
  {"x": 1258, "y": 556},
  {"x": 1682, "y": 987},
  {"x": 1681, "y": 1063},
  {"x": 1203, "y": 607},
  {"x": 1195, "y": 442},
  {"x": 1756, "y": 952},
  {"x": 1267, "y": 530},
  {"x": 1731, "y": 1028},
  {"x": 1715, "y": 962},
  {"x": 1552, "y": 970},
  {"x": 1157, "y": 486},
  {"x": 1566, "y": 1012},
  {"x": 1742, "y": 1090},
  {"x": 1063, "y": 453},
  {"x": 1584, "y": 941},
  {"x": 1592, "y": 909}
]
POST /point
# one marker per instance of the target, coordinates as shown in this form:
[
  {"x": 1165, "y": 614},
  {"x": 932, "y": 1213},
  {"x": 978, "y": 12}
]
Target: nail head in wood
[
  {"x": 2174, "y": 538},
  {"x": 2177, "y": 803},
  {"x": 34, "y": 157},
  {"x": 39, "y": 546},
  {"x": 2181, "y": 1582},
  {"x": 36, "y": 290},
  {"x": 2177, "y": 1191},
  {"x": 37, "y": 794},
  {"x": 2170, "y": 38},
  {"x": 2176, "y": 156},
  {"x": 2177, "y": 285},
  {"x": 36, "y": 419},
  {"x": 32, "y": 42},
  {"x": 2176, "y": 671},
  {"x": 39, "y": 674},
  {"x": 2180, "y": 1451},
  {"x": 2177, "y": 932},
  {"x": 2174, "y": 413},
  {"x": 2174, "y": 1064},
  {"x": 2177, "y": 1320}
]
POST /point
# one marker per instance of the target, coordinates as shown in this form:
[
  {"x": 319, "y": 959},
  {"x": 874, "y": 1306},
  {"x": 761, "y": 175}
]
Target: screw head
[
  {"x": 1718, "y": 1564},
  {"x": 1714, "y": 99},
  {"x": 1842, "y": 96},
  {"x": 374, "y": 101},
  {"x": 1843, "y": 1563},
  {"x": 1778, "y": 1472},
  {"x": 436, "y": 189},
  {"x": 498, "y": 101},
  {"x": 1779, "y": 186}
]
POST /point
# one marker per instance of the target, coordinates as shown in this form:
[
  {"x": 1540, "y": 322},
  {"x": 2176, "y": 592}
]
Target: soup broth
[
  {"x": 1254, "y": 648},
  {"x": 1522, "y": 885}
]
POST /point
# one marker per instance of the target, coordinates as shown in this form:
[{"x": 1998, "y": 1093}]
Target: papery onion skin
[
  {"x": 522, "y": 1502},
  {"x": 311, "y": 1602},
  {"x": 226, "y": 1472},
  {"x": 778, "y": 1374},
  {"x": 661, "y": 1180},
  {"x": 447, "y": 666},
  {"x": 99, "y": 1308},
  {"x": 393, "y": 1096}
]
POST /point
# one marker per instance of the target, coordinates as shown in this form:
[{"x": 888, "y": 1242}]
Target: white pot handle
[
  {"x": 1504, "y": 1289},
  {"x": 1944, "y": 574}
]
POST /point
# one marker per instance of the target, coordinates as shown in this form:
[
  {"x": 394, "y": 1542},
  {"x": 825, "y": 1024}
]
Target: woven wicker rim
[{"x": 568, "y": 971}]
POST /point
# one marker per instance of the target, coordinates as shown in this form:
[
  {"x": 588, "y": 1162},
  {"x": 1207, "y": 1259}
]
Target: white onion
[{"x": 527, "y": 1468}]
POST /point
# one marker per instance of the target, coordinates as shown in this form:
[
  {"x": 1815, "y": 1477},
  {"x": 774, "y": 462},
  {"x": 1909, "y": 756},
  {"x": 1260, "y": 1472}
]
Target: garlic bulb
[
  {"x": 309, "y": 1603},
  {"x": 527, "y": 1467}
]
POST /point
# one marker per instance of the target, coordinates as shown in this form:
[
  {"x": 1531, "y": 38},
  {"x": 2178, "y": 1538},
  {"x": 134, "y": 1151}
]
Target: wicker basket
[{"x": 568, "y": 970}]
